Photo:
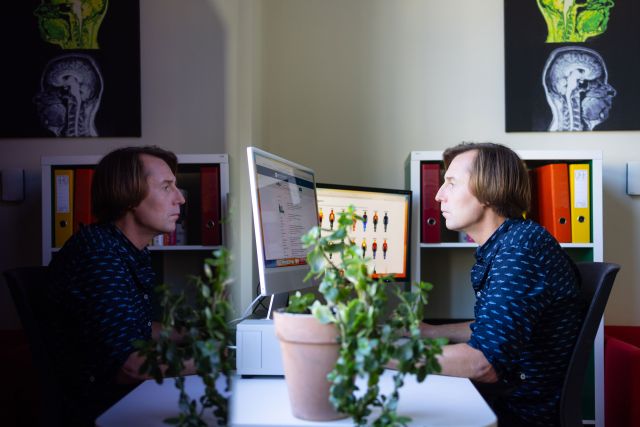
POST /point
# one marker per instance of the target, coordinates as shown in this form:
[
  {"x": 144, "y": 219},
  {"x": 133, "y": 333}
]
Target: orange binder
[
  {"x": 430, "y": 219},
  {"x": 63, "y": 206},
  {"x": 210, "y": 229},
  {"x": 553, "y": 200},
  {"x": 82, "y": 199},
  {"x": 579, "y": 185}
]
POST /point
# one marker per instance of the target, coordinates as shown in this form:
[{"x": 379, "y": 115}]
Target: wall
[
  {"x": 243, "y": 29},
  {"x": 351, "y": 87},
  {"x": 183, "y": 109}
]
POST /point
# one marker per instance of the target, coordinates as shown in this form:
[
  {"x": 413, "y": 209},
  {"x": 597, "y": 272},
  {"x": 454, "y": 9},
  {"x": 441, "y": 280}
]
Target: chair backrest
[
  {"x": 597, "y": 281},
  {"x": 27, "y": 285}
]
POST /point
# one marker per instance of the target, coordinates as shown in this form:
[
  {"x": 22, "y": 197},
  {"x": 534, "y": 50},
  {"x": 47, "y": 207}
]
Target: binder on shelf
[
  {"x": 553, "y": 200},
  {"x": 169, "y": 239},
  {"x": 158, "y": 240},
  {"x": 579, "y": 185},
  {"x": 430, "y": 219},
  {"x": 210, "y": 228},
  {"x": 181, "y": 223},
  {"x": 63, "y": 206},
  {"x": 82, "y": 199}
]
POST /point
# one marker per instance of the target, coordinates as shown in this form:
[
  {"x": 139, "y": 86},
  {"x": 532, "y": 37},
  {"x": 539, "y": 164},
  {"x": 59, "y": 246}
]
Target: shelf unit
[
  {"x": 447, "y": 265},
  {"x": 175, "y": 262}
]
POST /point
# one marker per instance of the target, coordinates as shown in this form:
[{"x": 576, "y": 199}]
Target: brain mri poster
[
  {"x": 71, "y": 68},
  {"x": 571, "y": 65}
]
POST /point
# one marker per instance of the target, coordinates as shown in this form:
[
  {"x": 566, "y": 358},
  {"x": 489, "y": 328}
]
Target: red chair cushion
[
  {"x": 622, "y": 383},
  {"x": 628, "y": 334}
]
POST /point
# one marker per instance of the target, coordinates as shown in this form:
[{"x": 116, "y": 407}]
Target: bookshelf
[
  {"x": 174, "y": 262},
  {"x": 447, "y": 264}
]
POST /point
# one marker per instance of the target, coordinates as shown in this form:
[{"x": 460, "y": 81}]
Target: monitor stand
[{"x": 276, "y": 302}]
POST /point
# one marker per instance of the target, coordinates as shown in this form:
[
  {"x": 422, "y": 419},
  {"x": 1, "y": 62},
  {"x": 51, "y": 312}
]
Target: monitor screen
[
  {"x": 383, "y": 233},
  {"x": 284, "y": 206}
]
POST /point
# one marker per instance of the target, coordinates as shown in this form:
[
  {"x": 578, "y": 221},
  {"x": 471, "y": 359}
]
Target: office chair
[
  {"x": 597, "y": 281},
  {"x": 26, "y": 285}
]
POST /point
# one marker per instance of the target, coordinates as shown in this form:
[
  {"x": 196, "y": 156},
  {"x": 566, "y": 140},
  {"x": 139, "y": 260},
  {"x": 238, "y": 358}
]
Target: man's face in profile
[
  {"x": 462, "y": 211},
  {"x": 160, "y": 209}
]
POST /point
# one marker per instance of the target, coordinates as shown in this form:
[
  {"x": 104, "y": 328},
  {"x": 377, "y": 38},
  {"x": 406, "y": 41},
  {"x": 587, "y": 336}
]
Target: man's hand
[
  {"x": 129, "y": 372},
  {"x": 176, "y": 336}
]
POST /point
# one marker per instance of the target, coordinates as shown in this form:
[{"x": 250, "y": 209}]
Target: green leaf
[
  {"x": 322, "y": 313},
  {"x": 299, "y": 303},
  {"x": 316, "y": 260}
]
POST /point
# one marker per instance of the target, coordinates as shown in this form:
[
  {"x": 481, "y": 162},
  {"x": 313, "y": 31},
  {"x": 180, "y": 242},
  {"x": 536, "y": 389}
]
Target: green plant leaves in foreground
[
  {"x": 204, "y": 338},
  {"x": 369, "y": 339}
]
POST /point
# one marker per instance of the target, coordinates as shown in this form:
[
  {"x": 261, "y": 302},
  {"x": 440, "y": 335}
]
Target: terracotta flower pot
[{"x": 309, "y": 353}]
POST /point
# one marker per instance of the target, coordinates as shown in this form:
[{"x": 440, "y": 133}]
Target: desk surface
[
  {"x": 439, "y": 401},
  {"x": 149, "y": 404}
]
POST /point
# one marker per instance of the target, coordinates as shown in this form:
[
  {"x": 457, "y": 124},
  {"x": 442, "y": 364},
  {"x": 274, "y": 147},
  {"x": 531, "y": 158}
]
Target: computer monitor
[
  {"x": 283, "y": 198},
  {"x": 383, "y": 234}
]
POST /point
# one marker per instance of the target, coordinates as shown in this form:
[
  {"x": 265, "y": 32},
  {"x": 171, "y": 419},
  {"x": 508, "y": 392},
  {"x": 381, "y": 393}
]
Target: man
[
  {"x": 528, "y": 310},
  {"x": 101, "y": 281}
]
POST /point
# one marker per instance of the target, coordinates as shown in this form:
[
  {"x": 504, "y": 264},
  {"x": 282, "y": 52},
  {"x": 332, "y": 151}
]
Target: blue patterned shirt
[
  {"x": 100, "y": 291},
  {"x": 528, "y": 313}
]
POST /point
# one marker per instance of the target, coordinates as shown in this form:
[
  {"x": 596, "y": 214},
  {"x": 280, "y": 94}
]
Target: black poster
[
  {"x": 70, "y": 68},
  {"x": 572, "y": 65}
]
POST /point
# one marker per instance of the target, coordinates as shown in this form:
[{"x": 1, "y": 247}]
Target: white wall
[
  {"x": 183, "y": 103},
  {"x": 350, "y": 87},
  {"x": 243, "y": 29}
]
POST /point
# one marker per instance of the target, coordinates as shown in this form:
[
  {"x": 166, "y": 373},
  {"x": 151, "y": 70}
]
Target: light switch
[
  {"x": 633, "y": 178},
  {"x": 12, "y": 185}
]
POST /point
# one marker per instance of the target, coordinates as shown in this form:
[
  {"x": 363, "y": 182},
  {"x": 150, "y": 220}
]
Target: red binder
[
  {"x": 210, "y": 228},
  {"x": 430, "y": 220},
  {"x": 82, "y": 199},
  {"x": 554, "y": 210}
]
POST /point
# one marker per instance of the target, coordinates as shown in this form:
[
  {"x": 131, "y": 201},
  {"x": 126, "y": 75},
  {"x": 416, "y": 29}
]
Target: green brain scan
[
  {"x": 575, "y": 20},
  {"x": 71, "y": 24}
]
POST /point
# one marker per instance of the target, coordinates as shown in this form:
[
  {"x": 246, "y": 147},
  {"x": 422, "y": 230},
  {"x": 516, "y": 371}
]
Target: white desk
[
  {"x": 149, "y": 404},
  {"x": 439, "y": 401}
]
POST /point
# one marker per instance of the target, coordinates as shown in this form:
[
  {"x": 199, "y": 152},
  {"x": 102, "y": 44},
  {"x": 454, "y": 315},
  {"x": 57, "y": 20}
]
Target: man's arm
[
  {"x": 454, "y": 332},
  {"x": 156, "y": 328},
  {"x": 462, "y": 360},
  {"x": 458, "y": 360},
  {"x": 129, "y": 372}
]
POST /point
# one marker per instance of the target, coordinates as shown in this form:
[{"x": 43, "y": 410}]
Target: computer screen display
[
  {"x": 383, "y": 233},
  {"x": 284, "y": 207}
]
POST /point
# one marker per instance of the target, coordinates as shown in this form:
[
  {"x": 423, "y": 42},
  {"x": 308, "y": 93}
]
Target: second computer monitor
[{"x": 383, "y": 232}]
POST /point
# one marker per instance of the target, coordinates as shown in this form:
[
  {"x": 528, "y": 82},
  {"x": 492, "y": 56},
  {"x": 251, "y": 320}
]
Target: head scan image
[
  {"x": 575, "y": 20},
  {"x": 71, "y": 24},
  {"x": 575, "y": 84},
  {"x": 70, "y": 93}
]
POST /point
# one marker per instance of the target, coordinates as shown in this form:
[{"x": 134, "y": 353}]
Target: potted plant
[
  {"x": 366, "y": 338},
  {"x": 202, "y": 322}
]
